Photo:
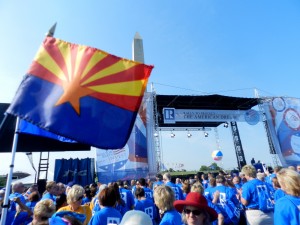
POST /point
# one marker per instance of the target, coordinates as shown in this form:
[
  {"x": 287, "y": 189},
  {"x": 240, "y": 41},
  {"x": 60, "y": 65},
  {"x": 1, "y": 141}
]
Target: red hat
[{"x": 197, "y": 200}]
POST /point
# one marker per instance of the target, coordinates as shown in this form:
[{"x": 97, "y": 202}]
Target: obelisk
[
  {"x": 137, "y": 48},
  {"x": 138, "y": 55}
]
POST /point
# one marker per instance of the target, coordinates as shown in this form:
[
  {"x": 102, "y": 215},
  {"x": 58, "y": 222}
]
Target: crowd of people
[{"x": 246, "y": 197}]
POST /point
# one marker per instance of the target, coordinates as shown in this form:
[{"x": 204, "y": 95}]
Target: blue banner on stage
[{"x": 78, "y": 171}]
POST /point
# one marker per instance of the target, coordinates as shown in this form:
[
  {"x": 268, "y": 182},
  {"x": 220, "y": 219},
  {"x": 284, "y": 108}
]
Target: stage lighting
[
  {"x": 205, "y": 134},
  {"x": 225, "y": 124},
  {"x": 172, "y": 135},
  {"x": 155, "y": 134},
  {"x": 189, "y": 135}
]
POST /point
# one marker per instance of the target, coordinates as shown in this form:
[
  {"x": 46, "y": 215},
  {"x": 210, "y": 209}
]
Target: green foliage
[
  {"x": 2, "y": 181},
  {"x": 204, "y": 168},
  {"x": 213, "y": 167}
]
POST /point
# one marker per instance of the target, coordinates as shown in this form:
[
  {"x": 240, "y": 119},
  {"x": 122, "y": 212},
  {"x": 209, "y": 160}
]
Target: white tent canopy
[{"x": 31, "y": 178}]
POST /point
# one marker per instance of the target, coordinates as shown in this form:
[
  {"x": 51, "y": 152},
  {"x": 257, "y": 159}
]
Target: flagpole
[
  {"x": 13, "y": 153},
  {"x": 9, "y": 178}
]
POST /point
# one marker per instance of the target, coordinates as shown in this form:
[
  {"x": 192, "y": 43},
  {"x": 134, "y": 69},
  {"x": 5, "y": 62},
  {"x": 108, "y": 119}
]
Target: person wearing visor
[{"x": 195, "y": 210}]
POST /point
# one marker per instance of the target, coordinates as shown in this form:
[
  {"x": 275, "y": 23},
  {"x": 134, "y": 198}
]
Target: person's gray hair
[
  {"x": 16, "y": 185},
  {"x": 75, "y": 193}
]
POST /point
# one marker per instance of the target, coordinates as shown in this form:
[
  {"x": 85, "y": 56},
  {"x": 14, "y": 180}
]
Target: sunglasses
[{"x": 195, "y": 212}]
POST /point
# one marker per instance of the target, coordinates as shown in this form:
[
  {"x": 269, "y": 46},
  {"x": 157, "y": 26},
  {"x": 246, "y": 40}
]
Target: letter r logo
[{"x": 169, "y": 115}]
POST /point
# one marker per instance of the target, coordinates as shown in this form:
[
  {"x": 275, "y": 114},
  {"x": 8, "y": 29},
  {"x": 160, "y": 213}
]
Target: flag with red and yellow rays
[{"x": 82, "y": 93}]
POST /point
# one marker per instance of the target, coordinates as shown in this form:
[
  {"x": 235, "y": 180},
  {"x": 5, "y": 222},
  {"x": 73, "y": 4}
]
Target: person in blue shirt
[
  {"x": 33, "y": 199},
  {"x": 148, "y": 191},
  {"x": 87, "y": 196},
  {"x": 51, "y": 191},
  {"x": 23, "y": 215},
  {"x": 94, "y": 204},
  {"x": 249, "y": 198},
  {"x": 17, "y": 190},
  {"x": 287, "y": 208},
  {"x": 221, "y": 195},
  {"x": 121, "y": 206},
  {"x": 204, "y": 180},
  {"x": 159, "y": 181},
  {"x": 279, "y": 193},
  {"x": 126, "y": 195},
  {"x": 177, "y": 190},
  {"x": 208, "y": 192},
  {"x": 178, "y": 182},
  {"x": 261, "y": 177},
  {"x": 146, "y": 205},
  {"x": 108, "y": 214},
  {"x": 31, "y": 189},
  {"x": 16, "y": 199},
  {"x": 236, "y": 180},
  {"x": 272, "y": 175},
  {"x": 164, "y": 198},
  {"x": 186, "y": 188}
]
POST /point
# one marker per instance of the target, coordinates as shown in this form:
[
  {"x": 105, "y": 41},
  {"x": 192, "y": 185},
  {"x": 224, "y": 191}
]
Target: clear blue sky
[{"x": 197, "y": 47}]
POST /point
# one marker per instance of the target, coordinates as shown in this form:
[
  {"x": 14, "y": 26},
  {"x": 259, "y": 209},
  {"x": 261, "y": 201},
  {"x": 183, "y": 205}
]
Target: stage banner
[
  {"x": 78, "y": 171},
  {"x": 130, "y": 162},
  {"x": 172, "y": 115},
  {"x": 283, "y": 119}
]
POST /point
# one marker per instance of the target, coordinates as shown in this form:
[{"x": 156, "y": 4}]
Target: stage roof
[
  {"x": 31, "y": 143},
  {"x": 213, "y": 102}
]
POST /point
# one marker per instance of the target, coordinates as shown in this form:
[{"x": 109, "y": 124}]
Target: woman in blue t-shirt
[
  {"x": 250, "y": 198},
  {"x": 164, "y": 198},
  {"x": 108, "y": 214},
  {"x": 279, "y": 193},
  {"x": 287, "y": 208}
]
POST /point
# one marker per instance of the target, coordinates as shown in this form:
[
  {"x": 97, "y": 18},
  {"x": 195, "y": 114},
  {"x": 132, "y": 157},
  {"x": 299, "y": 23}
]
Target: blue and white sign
[
  {"x": 172, "y": 115},
  {"x": 169, "y": 115}
]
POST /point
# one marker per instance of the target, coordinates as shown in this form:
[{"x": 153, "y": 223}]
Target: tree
[
  {"x": 214, "y": 166},
  {"x": 204, "y": 168}
]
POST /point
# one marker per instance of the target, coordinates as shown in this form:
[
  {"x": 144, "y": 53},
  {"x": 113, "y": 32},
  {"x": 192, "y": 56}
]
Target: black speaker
[{"x": 42, "y": 186}]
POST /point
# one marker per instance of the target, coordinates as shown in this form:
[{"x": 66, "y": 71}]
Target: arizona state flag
[{"x": 82, "y": 93}]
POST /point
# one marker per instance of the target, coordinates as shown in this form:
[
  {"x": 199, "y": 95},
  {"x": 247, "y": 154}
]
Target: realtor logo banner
[{"x": 172, "y": 115}]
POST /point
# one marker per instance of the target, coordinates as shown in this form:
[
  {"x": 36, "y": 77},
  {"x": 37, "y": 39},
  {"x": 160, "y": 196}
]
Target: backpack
[{"x": 265, "y": 203}]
